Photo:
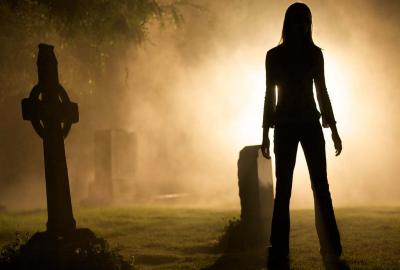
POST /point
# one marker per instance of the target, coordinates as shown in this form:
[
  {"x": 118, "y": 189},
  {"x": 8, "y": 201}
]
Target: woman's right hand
[{"x": 265, "y": 144}]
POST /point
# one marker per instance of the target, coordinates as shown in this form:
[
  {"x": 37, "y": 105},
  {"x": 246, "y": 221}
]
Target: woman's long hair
[{"x": 297, "y": 13}]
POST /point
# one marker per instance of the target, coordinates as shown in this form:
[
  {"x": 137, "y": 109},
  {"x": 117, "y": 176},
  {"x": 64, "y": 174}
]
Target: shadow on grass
[
  {"x": 338, "y": 264},
  {"x": 154, "y": 259},
  {"x": 247, "y": 260},
  {"x": 203, "y": 249},
  {"x": 240, "y": 252},
  {"x": 256, "y": 260}
]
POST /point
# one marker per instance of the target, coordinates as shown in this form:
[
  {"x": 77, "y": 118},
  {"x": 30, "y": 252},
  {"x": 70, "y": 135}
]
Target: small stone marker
[
  {"x": 115, "y": 167},
  {"x": 52, "y": 114},
  {"x": 256, "y": 195}
]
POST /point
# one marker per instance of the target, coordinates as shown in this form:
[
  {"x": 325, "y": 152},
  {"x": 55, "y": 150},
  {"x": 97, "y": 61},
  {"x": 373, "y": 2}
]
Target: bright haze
[{"x": 195, "y": 94}]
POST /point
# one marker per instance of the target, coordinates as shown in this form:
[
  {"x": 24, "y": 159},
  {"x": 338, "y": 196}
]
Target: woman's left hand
[{"x": 337, "y": 143}]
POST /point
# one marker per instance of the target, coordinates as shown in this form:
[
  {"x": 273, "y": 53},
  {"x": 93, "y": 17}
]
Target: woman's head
[{"x": 297, "y": 25}]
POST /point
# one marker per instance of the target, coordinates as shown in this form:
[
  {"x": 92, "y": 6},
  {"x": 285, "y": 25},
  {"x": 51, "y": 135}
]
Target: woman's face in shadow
[{"x": 299, "y": 27}]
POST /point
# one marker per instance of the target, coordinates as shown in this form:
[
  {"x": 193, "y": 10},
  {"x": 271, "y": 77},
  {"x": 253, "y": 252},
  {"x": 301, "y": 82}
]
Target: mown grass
[{"x": 172, "y": 238}]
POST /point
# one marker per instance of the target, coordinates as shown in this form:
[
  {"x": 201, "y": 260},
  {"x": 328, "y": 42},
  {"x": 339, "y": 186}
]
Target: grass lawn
[{"x": 171, "y": 238}]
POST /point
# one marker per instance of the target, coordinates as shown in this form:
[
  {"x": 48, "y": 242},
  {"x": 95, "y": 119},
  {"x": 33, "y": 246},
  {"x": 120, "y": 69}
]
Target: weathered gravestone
[
  {"x": 115, "y": 167},
  {"x": 256, "y": 195},
  {"x": 52, "y": 114}
]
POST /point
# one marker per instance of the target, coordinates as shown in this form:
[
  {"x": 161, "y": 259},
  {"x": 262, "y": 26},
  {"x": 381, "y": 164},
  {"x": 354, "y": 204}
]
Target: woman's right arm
[{"x": 269, "y": 106}]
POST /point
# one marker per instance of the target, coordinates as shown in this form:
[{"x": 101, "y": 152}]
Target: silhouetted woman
[{"x": 291, "y": 68}]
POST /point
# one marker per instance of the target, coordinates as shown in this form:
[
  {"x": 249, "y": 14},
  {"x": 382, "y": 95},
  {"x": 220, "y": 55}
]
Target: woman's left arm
[{"x": 328, "y": 119}]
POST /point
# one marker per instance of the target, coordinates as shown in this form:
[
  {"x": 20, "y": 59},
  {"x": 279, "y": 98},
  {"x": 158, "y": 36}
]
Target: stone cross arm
[{"x": 33, "y": 110}]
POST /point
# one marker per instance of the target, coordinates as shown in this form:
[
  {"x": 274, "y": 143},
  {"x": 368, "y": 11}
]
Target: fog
[{"x": 194, "y": 95}]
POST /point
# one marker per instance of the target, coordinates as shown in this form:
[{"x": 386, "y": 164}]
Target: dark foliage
[
  {"x": 91, "y": 33},
  {"x": 232, "y": 238},
  {"x": 99, "y": 256},
  {"x": 240, "y": 236},
  {"x": 9, "y": 253}
]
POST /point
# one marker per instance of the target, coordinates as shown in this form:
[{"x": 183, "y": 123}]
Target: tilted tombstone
[
  {"x": 256, "y": 195},
  {"x": 51, "y": 113},
  {"x": 115, "y": 166}
]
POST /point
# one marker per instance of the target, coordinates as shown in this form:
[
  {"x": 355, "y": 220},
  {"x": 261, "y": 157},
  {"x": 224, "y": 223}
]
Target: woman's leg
[
  {"x": 313, "y": 143},
  {"x": 285, "y": 148}
]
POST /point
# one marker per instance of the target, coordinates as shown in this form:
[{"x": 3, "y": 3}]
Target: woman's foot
[
  {"x": 334, "y": 262},
  {"x": 277, "y": 260}
]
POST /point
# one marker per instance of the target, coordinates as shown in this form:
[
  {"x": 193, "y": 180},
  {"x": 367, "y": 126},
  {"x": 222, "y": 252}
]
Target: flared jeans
[{"x": 286, "y": 140}]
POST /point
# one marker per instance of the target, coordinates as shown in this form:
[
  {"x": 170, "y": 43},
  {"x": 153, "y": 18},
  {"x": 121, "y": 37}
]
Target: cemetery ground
[{"x": 184, "y": 238}]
